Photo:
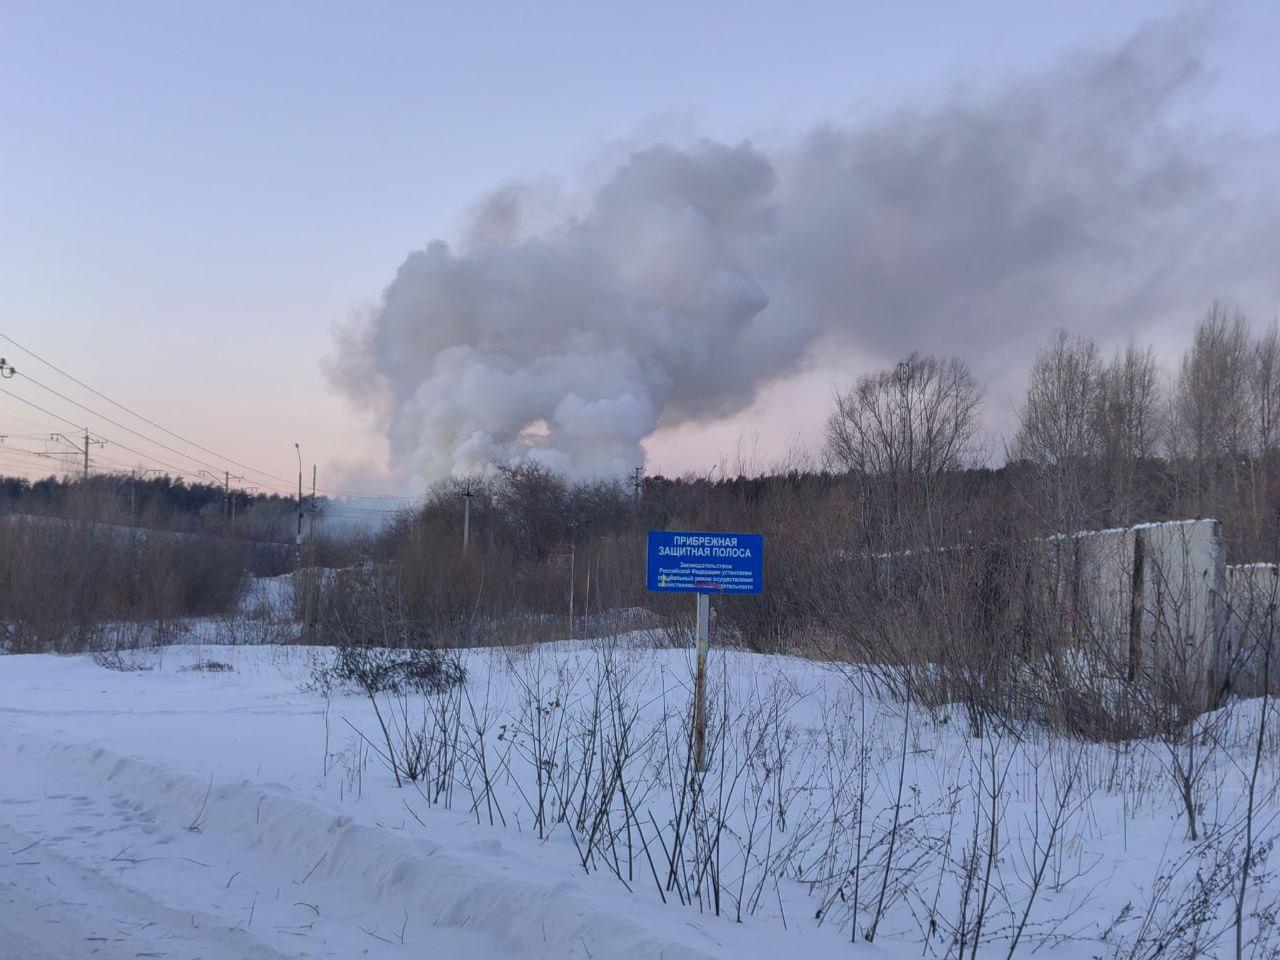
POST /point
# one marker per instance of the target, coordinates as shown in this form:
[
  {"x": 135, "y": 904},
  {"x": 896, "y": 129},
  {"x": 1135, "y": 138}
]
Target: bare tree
[
  {"x": 1058, "y": 425},
  {"x": 1127, "y": 426},
  {"x": 1264, "y": 390},
  {"x": 534, "y": 500},
  {"x": 1264, "y": 410},
  {"x": 1210, "y": 421},
  {"x": 906, "y": 429}
]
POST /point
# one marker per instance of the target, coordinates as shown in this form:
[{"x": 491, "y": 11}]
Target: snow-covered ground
[{"x": 246, "y": 812}]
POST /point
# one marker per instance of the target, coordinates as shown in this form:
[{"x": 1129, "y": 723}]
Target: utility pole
[
  {"x": 297, "y": 548},
  {"x": 298, "y": 542},
  {"x": 637, "y": 482},
  {"x": 228, "y": 506},
  {"x": 89, "y": 440},
  {"x": 466, "y": 516},
  {"x": 311, "y": 560}
]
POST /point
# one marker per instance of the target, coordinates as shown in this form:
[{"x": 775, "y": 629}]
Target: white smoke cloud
[{"x": 696, "y": 274}]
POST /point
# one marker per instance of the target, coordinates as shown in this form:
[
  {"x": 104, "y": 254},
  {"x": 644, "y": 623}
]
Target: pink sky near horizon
[{"x": 192, "y": 197}]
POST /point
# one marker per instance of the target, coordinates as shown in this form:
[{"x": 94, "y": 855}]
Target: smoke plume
[{"x": 694, "y": 274}]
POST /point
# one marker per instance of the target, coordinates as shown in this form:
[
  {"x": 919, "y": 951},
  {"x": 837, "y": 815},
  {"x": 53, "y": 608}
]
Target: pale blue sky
[{"x": 191, "y": 194}]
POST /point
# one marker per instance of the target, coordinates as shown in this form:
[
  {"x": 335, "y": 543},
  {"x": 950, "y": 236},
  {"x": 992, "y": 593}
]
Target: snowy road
[
  {"x": 179, "y": 814},
  {"x": 176, "y": 813},
  {"x": 90, "y": 870},
  {"x": 51, "y": 909}
]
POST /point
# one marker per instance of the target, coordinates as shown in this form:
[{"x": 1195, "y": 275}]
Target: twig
[
  {"x": 313, "y": 869},
  {"x": 194, "y": 826}
]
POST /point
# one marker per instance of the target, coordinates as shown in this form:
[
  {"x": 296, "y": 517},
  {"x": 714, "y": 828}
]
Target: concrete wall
[
  {"x": 1253, "y": 595},
  {"x": 1145, "y": 602},
  {"x": 1105, "y": 579},
  {"x": 1183, "y": 617}
]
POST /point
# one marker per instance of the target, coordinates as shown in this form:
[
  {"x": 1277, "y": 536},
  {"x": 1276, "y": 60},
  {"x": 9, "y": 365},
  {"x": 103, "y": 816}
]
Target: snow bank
[{"x": 422, "y": 877}]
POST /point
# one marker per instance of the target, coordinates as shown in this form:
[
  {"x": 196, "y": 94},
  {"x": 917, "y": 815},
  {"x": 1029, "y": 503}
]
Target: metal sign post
[
  {"x": 704, "y": 563},
  {"x": 700, "y": 684}
]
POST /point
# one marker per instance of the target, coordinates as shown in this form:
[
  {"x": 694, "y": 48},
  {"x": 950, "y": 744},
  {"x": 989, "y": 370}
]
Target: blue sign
[{"x": 706, "y": 562}]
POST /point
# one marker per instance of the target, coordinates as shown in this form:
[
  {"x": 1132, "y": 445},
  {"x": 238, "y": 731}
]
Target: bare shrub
[
  {"x": 377, "y": 670},
  {"x": 208, "y": 666},
  {"x": 70, "y": 584}
]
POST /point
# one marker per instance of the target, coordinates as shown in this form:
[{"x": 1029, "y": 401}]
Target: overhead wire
[
  {"x": 179, "y": 471},
  {"x": 18, "y": 458},
  {"x": 9, "y": 448},
  {"x": 244, "y": 466},
  {"x": 116, "y": 443},
  {"x": 176, "y": 470},
  {"x": 27, "y": 458},
  {"x": 116, "y": 423},
  {"x": 186, "y": 474},
  {"x": 134, "y": 413}
]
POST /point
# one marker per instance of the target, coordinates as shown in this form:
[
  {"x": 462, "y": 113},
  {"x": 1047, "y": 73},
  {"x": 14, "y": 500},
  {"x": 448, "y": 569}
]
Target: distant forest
[
  {"x": 1100, "y": 441},
  {"x": 159, "y": 502}
]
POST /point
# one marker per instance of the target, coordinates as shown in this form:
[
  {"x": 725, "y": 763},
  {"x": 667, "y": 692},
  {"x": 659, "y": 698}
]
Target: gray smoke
[{"x": 695, "y": 274}]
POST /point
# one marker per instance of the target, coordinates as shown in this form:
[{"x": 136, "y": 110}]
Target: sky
[{"x": 194, "y": 196}]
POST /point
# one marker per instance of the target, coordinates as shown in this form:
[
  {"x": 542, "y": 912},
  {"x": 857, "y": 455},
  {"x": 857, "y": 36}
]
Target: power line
[
  {"x": 288, "y": 483},
  {"x": 17, "y": 456},
  {"x": 6, "y": 448},
  {"x": 134, "y": 413},
  {"x": 40, "y": 408},
  {"x": 26, "y": 423},
  {"x": 152, "y": 458},
  {"x": 117, "y": 423},
  {"x": 146, "y": 456}
]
